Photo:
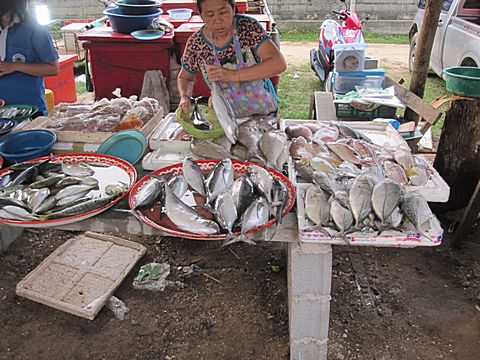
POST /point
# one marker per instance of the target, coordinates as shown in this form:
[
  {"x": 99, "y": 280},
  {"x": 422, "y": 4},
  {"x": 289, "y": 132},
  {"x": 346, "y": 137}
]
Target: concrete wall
[
  {"x": 319, "y": 9},
  {"x": 390, "y": 16},
  {"x": 73, "y": 9}
]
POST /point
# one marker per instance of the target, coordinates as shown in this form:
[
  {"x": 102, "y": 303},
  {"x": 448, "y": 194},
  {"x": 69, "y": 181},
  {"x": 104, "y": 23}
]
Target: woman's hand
[
  {"x": 7, "y": 68},
  {"x": 219, "y": 73},
  {"x": 184, "y": 104}
]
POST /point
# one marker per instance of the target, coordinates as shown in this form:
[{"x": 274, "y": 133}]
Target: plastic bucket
[
  {"x": 463, "y": 80},
  {"x": 127, "y": 23}
]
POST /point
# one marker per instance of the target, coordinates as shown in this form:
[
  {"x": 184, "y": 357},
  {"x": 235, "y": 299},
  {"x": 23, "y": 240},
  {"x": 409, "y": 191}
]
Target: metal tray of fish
[
  {"x": 62, "y": 189},
  {"x": 389, "y": 238},
  {"x": 155, "y": 217},
  {"x": 383, "y": 134}
]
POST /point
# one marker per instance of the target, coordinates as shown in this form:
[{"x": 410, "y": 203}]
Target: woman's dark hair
[
  {"x": 199, "y": 4},
  {"x": 15, "y": 8}
]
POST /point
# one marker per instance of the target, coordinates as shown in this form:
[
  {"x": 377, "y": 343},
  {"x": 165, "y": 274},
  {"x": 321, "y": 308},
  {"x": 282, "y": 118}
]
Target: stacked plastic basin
[{"x": 132, "y": 15}]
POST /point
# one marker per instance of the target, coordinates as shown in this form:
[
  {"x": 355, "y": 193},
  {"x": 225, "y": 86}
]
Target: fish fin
[
  {"x": 232, "y": 239},
  {"x": 343, "y": 235},
  {"x": 318, "y": 228}
]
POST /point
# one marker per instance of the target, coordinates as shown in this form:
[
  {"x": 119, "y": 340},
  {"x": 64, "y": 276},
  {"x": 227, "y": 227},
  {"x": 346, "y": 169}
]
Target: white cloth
[{"x": 3, "y": 38}]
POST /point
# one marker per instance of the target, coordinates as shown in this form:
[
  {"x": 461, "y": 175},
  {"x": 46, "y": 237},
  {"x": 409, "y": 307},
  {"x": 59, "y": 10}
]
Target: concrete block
[
  {"x": 308, "y": 350},
  {"x": 309, "y": 318},
  {"x": 310, "y": 273}
]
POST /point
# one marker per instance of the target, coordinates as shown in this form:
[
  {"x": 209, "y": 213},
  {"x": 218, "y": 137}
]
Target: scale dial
[{"x": 351, "y": 63}]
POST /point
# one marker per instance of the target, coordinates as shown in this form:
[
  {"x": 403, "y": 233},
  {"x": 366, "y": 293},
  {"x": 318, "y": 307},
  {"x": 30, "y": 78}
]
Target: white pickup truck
[{"x": 457, "y": 42}]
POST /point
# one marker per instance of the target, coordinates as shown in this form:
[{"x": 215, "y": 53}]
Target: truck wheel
[{"x": 411, "y": 54}]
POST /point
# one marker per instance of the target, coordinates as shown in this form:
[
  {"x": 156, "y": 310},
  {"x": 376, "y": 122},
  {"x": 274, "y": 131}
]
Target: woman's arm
[
  {"x": 273, "y": 63},
  {"x": 185, "y": 84},
  {"x": 34, "y": 69}
]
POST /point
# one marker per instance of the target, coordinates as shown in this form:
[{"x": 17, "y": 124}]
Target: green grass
[
  {"x": 80, "y": 88},
  {"x": 310, "y": 34},
  {"x": 295, "y": 90}
]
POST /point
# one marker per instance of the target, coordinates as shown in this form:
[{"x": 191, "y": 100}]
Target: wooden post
[
  {"x": 423, "y": 51},
  {"x": 458, "y": 156}
]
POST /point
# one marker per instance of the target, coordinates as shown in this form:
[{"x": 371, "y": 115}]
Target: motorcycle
[{"x": 332, "y": 33}]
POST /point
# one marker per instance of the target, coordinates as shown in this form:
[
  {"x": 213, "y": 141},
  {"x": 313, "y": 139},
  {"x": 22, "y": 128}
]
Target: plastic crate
[
  {"x": 344, "y": 84},
  {"x": 346, "y": 111}
]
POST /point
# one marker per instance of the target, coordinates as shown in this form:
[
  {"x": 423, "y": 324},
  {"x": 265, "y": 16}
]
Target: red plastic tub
[
  {"x": 120, "y": 61},
  {"x": 63, "y": 84}
]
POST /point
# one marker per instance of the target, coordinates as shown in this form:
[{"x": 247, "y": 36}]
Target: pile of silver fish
[
  {"x": 257, "y": 140},
  {"x": 46, "y": 190},
  {"x": 238, "y": 204},
  {"x": 358, "y": 186},
  {"x": 327, "y": 146}
]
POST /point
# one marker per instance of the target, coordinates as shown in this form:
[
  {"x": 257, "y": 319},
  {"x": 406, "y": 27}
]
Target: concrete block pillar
[{"x": 309, "y": 285}]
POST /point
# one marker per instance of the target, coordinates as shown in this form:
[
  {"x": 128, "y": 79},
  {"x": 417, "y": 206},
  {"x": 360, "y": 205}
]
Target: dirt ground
[{"x": 387, "y": 304}]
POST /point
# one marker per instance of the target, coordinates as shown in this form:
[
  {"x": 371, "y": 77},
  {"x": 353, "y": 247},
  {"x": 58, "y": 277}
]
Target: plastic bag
[
  {"x": 118, "y": 307},
  {"x": 152, "y": 276}
]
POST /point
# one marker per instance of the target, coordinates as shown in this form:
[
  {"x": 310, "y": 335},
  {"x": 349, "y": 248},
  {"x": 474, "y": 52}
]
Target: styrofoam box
[
  {"x": 163, "y": 131},
  {"x": 387, "y": 238},
  {"x": 167, "y": 153},
  {"x": 383, "y": 134}
]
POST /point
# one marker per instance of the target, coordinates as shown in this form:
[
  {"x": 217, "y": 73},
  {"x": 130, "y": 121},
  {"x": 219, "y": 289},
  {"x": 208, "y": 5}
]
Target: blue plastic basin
[
  {"x": 127, "y": 23},
  {"x": 26, "y": 145}
]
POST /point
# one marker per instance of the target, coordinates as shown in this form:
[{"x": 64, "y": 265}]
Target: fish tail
[{"x": 231, "y": 239}]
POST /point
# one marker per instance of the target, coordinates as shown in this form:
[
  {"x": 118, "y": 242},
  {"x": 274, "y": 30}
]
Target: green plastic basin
[
  {"x": 209, "y": 113},
  {"x": 463, "y": 80}
]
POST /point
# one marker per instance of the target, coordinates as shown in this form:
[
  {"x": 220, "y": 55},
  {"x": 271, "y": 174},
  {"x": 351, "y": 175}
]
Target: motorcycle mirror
[{"x": 346, "y": 5}]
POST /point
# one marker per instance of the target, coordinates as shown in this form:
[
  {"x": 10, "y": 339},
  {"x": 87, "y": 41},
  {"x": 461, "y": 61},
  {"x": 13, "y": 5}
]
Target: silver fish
[
  {"x": 149, "y": 194},
  {"x": 38, "y": 198},
  {"x": 4, "y": 201},
  {"x": 47, "y": 205},
  {"x": 350, "y": 132},
  {"x": 416, "y": 209},
  {"x": 226, "y": 213},
  {"x": 186, "y": 218},
  {"x": 404, "y": 158},
  {"x": 115, "y": 189},
  {"x": 65, "y": 201},
  {"x": 179, "y": 185},
  {"x": 225, "y": 114},
  {"x": 326, "y": 181},
  {"x": 208, "y": 149},
  {"x": 385, "y": 198},
  {"x": 257, "y": 214},
  {"x": 317, "y": 206},
  {"x": 68, "y": 181},
  {"x": 81, "y": 208},
  {"x": 279, "y": 196},
  {"x": 52, "y": 180},
  {"x": 77, "y": 169},
  {"x": 16, "y": 213},
  {"x": 273, "y": 146},
  {"x": 262, "y": 179},
  {"x": 360, "y": 199},
  {"x": 304, "y": 170},
  {"x": 219, "y": 180},
  {"x": 249, "y": 136},
  {"x": 346, "y": 152},
  {"x": 25, "y": 176},
  {"x": 243, "y": 193},
  {"x": 341, "y": 216},
  {"x": 72, "y": 190},
  {"x": 194, "y": 175}
]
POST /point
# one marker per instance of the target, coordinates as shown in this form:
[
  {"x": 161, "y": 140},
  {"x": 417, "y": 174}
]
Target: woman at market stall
[
  {"x": 27, "y": 55},
  {"x": 234, "y": 51}
]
